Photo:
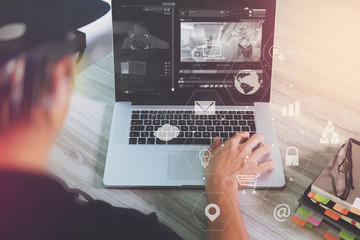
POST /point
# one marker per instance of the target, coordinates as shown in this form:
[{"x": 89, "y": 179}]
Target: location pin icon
[{"x": 214, "y": 216}]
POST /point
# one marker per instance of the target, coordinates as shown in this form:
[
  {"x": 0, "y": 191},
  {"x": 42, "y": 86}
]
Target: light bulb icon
[{"x": 205, "y": 156}]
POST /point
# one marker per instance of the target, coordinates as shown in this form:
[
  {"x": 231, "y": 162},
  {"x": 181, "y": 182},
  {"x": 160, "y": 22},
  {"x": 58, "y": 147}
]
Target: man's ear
[{"x": 63, "y": 75}]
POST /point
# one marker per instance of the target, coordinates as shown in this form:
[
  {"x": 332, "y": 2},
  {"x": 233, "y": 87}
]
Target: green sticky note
[
  {"x": 309, "y": 225},
  {"x": 321, "y": 199},
  {"x": 346, "y": 235},
  {"x": 304, "y": 212}
]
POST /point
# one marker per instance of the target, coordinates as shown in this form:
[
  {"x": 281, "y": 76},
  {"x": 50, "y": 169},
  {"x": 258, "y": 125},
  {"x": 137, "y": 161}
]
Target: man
[{"x": 37, "y": 69}]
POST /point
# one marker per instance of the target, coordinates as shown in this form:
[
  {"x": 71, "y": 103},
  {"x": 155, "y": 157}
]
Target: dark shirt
[{"x": 43, "y": 207}]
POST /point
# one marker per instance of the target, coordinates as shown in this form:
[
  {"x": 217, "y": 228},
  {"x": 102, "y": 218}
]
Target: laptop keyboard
[{"x": 194, "y": 129}]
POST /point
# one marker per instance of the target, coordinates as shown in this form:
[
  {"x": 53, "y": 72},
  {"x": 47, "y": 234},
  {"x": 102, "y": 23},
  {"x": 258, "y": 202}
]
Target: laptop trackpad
[{"x": 185, "y": 166}]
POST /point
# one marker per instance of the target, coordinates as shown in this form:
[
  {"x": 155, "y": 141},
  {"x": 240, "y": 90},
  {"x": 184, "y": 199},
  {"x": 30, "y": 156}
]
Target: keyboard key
[
  {"x": 206, "y": 134},
  {"x": 144, "y": 134},
  {"x": 137, "y": 128},
  {"x": 249, "y": 112},
  {"x": 136, "y": 122},
  {"x": 232, "y": 112},
  {"x": 225, "y": 122},
  {"x": 142, "y": 116},
  {"x": 221, "y": 117},
  {"x": 179, "y": 112},
  {"x": 156, "y": 122},
  {"x": 182, "y": 122},
  {"x": 169, "y": 116},
  {"x": 132, "y": 140},
  {"x": 197, "y": 135},
  {"x": 161, "y": 116},
  {"x": 229, "y": 117},
  {"x": 152, "y": 116},
  {"x": 170, "y": 112},
  {"x": 184, "y": 128},
  {"x": 231, "y": 134},
  {"x": 242, "y": 123},
  {"x": 216, "y": 122},
  {"x": 177, "y": 116},
  {"x": 150, "y": 141},
  {"x": 224, "y": 135},
  {"x": 201, "y": 128},
  {"x": 248, "y": 117},
  {"x": 173, "y": 122},
  {"x": 163, "y": 122},
  {"x": 189, "y": 112},
  {"x": 212, "y": 117},
  {"x": 153, "y": 111},
  {"x": 142, "y": 141},
  {"x": 215, "y": 134},
  {"x": 181, "y": 135},
  {"x": 192, "y": 128},
  {"x": 149, "y": 128},
  {"x": 233, "y": 123},
  {"x": 202, "y": 141},
  {"x": 227, "y": 128},
  {"x": 186, "y": 116},
  {"x": 199, "y": 122},
  {"x": 203, "y": 117},
  {"x": 135, "y": 116},
  {"x": 245, "y": 128},
  {"x": 219, "y": 128},
  {"x": 236, "y": 128},
  {"x": 208, "y": 122},
  {"x": 195, "y": 117},
  {"x": 237, "y": 117},
  {"x": 158, "y": 141},
  {"x": 240, "y": 112},
  {"x": 134, "y": 134},
  {"x": 147, "y": 122},
  {"x": 190, "y": 122},
  {"x": 144, "y": 111},
  {"x": 188, "y": 134},
  {"x": 210, "y": 129}
]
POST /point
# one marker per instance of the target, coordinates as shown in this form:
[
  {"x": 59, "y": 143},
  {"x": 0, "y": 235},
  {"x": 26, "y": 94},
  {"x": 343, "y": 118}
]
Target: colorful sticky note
[
  {"x": 329, "y": 236},
  {"x": 356, "y": 207},
  {"x": 309, "y": 225},
  {"x": 321, "y": 199},
  {"x": 345, "y": 235},
  {"x": 315, "y": 219},
  {"x": 332, "y": 214},
  {"x": 298, "y": 221},
  {"x": 304, "y": 212},
  {"x": 341, "y": 209}
]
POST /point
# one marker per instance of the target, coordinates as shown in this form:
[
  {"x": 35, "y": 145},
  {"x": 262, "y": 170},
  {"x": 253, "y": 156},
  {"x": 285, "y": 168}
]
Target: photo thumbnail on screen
[{"x": 221, "y": 41}]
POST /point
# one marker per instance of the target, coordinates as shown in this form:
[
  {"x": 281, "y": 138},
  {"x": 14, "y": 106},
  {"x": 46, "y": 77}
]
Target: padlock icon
[{"x": 292, "y": 159}]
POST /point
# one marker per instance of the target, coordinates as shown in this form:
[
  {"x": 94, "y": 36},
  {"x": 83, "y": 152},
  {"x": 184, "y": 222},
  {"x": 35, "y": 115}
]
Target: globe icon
[{"x": 247, "y": 82}]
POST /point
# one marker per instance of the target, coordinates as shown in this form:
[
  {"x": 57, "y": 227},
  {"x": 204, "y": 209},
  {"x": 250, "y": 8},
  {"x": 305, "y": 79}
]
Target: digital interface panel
[{"x": 173, "y": 48}]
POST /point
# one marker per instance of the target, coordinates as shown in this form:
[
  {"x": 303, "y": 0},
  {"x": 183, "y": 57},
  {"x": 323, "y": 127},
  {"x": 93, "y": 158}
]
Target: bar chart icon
[{"x": 293, "y": 109}]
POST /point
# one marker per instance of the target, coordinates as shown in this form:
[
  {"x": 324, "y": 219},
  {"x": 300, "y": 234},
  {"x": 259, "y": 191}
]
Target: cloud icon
[{"x": 167, "y": 132}]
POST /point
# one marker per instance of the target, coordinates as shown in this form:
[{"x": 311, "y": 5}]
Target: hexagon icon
[{"x": 204, "y": 211}]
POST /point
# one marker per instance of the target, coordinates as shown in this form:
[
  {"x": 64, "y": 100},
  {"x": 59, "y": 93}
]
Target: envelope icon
[{"x": 205, "y": 107}]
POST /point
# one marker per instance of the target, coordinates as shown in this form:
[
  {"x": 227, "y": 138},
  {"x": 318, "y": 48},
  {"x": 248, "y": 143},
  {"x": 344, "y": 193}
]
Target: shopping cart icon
[{"x": 248, "y": 181}]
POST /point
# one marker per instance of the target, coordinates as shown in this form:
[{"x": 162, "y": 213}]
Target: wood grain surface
[{"x": 320, "y": 41}]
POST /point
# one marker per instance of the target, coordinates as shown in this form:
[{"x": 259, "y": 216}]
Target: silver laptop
[{"x": 185, "y": 72}]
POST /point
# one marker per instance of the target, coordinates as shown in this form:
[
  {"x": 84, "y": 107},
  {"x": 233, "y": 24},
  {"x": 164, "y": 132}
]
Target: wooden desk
[{"x": 320, "y": 41}]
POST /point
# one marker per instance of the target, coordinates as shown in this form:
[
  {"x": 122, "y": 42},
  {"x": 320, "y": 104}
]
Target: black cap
[{"x": 46, "y": 19}]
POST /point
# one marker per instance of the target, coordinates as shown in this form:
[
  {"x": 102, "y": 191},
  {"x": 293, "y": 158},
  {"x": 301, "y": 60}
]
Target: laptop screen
[{"x": 178, "y": 52}]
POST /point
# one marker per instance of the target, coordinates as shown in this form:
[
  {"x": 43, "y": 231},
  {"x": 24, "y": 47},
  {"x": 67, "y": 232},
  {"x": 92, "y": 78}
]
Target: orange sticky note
[
  {"x": 298, "y": 221},
  {"x": 329, "y": 236},
  {"x": 332, "y": 214},
  {"x": 312, "y": 195},
  {"x": 340, "y": 209}
]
